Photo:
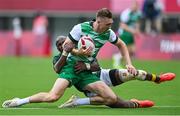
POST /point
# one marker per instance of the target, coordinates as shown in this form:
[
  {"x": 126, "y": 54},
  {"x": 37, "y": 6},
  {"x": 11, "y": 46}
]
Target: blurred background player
[
  {"x": 128, "y": 28},
  {"x": 40, "y": 24},
  {"x": 17, "y": 34},
  {"x": 40, "y": 30},
  {"x": 152, "y": 15}
]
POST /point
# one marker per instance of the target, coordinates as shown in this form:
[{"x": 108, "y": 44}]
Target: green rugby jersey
[
  {"x": 130, "y": 18},
  {"x": 99, "y": 39},
  {"x": 56, "y": 58}
]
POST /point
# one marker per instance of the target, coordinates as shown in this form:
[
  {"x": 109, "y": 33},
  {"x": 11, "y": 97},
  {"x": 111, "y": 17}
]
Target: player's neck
[{"x": 96, "y": 28}]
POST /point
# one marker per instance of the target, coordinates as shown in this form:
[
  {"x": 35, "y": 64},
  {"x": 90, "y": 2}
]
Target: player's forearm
[
  {"x": 124, "y": 51},
  {"x": 60, "y": 63},
  {"x": 126, "y": 55},
  {"x": 126, "y": 28}
]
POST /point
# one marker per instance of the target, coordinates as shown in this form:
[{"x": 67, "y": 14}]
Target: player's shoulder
[
  {"x": 81, "y": 25},
  {"x": 86, "y": 24},
  {"x": 112, "y": 32}
]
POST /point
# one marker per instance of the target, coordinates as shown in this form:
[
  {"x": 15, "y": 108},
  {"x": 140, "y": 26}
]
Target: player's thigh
[
  {"x": 59, "y": 86},
  {"x": 101, "y": 89},
  {"x": 131, "y": 47},
  {"x": 85, "y": 78}
]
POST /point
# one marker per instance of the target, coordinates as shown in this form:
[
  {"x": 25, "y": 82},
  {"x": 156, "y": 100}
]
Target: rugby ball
[{"x": 86, "y": 42}]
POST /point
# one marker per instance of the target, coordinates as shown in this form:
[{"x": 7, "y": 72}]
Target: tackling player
[{"x": 112, "y": 77}]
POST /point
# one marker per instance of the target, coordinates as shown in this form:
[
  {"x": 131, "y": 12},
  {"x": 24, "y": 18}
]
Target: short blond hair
[{"x": 104, "y": 12}]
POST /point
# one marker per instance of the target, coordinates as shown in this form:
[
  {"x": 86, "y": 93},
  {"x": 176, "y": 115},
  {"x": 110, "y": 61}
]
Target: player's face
[
  {"x": 59, "y": 44},
  {"x": 104, "y": 24}
]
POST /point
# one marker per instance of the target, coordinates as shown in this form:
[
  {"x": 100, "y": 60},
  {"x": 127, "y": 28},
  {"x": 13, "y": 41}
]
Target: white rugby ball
[{"x": 86, "y": 42}]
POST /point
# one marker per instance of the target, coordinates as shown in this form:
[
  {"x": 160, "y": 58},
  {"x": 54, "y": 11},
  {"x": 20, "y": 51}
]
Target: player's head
[
  {"x": 135, "y": 5},
  {"x": 59, "y": 41},
  {"x": 103, "y": 19}
]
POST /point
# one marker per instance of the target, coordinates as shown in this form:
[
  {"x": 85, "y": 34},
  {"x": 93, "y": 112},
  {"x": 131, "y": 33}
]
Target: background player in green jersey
[{"x": 128, "y": 28}]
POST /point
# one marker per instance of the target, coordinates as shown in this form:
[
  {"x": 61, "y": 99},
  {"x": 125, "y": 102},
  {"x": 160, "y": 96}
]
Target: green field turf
[{"x": 21, "y": 77}]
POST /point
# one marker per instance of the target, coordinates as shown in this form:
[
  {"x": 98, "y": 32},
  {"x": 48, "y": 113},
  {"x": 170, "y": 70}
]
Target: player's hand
[
  {"x": 131, "y": 69},
  {"x": 79, "y": 67},
  {"x": 68, "y": 47},
  {"x": 83, "y": 51}
]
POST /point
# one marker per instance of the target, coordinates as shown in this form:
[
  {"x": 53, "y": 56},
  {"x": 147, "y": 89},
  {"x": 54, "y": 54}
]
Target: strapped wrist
[
  {"x": 88, "y": 66},
  {"x": 64, "y": 53}
]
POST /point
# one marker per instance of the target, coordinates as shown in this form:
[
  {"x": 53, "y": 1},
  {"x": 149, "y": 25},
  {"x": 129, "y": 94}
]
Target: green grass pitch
[{"x": 21, "y": 77}]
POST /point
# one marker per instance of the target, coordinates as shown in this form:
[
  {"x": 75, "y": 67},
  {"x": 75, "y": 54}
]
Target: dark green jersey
[{"x": 56, "y": 58}]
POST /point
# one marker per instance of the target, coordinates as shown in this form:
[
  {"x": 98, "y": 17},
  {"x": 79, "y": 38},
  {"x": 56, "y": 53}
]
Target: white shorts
[{"x": 105, "y": 77}]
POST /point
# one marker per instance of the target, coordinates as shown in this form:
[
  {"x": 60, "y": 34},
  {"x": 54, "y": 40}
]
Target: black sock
[{"x": 152, "y": 77}]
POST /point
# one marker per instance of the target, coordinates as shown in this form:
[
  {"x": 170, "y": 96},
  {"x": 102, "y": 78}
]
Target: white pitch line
[
  {"x": 167, "y": 106},
  {"x": 57, "y": 108},
  {"x": 22, "y": 108}
]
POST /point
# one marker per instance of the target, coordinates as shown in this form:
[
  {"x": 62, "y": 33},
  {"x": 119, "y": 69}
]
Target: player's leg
[
  {"x": 55, "y": 93},
  {"x": 105, "y": 95},
  {"x": 133, "y": 103},
  {"x": 131, "y": 48},
  {"x": 116, "y": 59},
  {"x": 119, "y": 76},
  {"x": 102, "y": 94}
]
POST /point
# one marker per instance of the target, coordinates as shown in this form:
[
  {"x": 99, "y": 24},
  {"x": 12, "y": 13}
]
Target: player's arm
[
  {"x": 131, "y": 30},
  {"x": 81, "y": 66},
  {"x": 124, "y": 51},
  {"x": 67, "y": 47},
  {"x": 59, "y": 64}
]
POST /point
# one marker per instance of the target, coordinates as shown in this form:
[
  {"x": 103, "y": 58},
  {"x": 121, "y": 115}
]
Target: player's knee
[
  {"x": 111, "y": 100},
  {"x": 53, "y": 97}
]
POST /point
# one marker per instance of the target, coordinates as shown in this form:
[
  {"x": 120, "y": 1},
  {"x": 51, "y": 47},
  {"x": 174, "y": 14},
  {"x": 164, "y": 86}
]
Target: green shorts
[
  {"x": 127, "y": 38},
  {"x": 80, "y": 80}
]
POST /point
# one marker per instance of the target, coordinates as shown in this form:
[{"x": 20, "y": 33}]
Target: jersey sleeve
[
  {"x": 55, "y": 59},
  {"x": 75, "y": 33},
  {"x": 124, "y": 17},
  {"x": 113, "y": 38}
]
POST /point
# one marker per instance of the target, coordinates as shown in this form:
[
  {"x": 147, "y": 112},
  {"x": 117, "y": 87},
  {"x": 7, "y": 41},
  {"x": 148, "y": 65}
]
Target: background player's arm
[{"x": 131, "y": 30}]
